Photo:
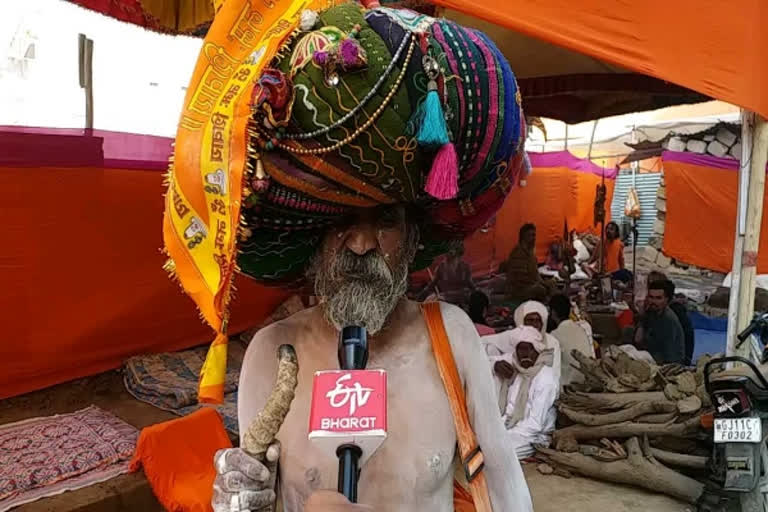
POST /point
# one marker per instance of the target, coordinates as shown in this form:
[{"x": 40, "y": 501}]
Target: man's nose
[{"x": 362, "y": 238}]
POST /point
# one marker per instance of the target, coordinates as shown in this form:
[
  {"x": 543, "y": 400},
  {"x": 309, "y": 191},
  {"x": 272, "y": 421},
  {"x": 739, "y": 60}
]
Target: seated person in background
[
  {"x": 529, "y": 411},
  {"x": 452, "y": 280},
  {"x": 658, "y": 330},
  {"x": 523, "y": 279},
  {"x": 681, "y": 313},
  {"x": 572, "y": 336},
  {"x": 613, "y": 255},
  {"x": 529, "y": 314},
  {"x": 535, "y": 314},
  {"x": 478, "y": 305},
  {"x": 655, "y": 275}
]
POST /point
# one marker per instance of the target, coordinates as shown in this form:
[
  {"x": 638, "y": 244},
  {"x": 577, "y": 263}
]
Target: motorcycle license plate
[{"x": 738, "y": 430}]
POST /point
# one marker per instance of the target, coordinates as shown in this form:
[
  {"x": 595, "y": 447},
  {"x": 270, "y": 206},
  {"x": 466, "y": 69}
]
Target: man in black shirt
[{"x": 682, "y": 315}]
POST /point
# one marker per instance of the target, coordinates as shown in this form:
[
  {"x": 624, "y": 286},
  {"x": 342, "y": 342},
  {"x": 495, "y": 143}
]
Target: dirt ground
[
  {"x": 125, "y": 493},
  {"x": 132, "y": 492},
  {"x": 555, "y": 494}
]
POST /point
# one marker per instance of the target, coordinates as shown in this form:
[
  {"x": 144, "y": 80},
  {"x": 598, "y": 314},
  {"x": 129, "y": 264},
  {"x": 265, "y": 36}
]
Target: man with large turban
[{"x": 377, "y": 140}]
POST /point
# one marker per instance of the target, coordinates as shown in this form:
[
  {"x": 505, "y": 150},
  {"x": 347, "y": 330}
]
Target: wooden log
[
  {"x": 629, "y": 429},
  {"x": 609, "y": 401},
  {"x": 627, "y": 414},
  {"x": 657, "y": 418},
  {"x": 637, "y": 470},
  {"x": 596, "y": 371},
  {"x": 689, "y": 405},
  {"x": 680, "y": 460}
]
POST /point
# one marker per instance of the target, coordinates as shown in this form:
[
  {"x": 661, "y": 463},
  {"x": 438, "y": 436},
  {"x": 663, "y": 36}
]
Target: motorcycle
[{"x": 740, "y": 426}]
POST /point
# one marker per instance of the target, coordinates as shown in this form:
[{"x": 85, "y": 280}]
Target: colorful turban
[
  {"x": 300, "y": 111},
  {"x": 370, "y": 107}
]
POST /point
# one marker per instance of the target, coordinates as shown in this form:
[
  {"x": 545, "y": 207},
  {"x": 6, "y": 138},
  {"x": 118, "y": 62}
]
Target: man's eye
[{"x": 388, "y": 218}]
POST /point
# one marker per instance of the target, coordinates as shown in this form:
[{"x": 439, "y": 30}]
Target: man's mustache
[{"x": 371, "y": 265}]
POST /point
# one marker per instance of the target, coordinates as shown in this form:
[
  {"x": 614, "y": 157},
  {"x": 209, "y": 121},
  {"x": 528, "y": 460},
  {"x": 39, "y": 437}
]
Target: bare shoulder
[
  {"x": 467, "y": 348},
  {"x": 268, "y": 339},
  {"x": 456, "y": 320}
]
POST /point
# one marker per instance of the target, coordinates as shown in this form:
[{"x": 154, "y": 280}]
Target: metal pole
[
  {"x": 85, "y": 68},
  {"x": 566, "y": 136},
  {"x": 592, "y": 139}
]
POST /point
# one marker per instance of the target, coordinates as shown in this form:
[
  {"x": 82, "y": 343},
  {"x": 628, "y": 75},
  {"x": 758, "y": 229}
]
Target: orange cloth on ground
[
  {"x": 177, "y": 457},
  {"x": 613, "y": 250},
  {"x": 701, "y": 216}
]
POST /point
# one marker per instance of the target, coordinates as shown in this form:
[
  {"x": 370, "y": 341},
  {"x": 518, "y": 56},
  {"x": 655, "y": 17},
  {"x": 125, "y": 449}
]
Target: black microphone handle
[
  {"x": 353, "y": 355},
  {"x": 349, "y": 455}
]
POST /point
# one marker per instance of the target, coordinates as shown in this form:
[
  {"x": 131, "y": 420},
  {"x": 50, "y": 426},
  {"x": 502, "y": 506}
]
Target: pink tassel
[{"x": 443, "y": 179}]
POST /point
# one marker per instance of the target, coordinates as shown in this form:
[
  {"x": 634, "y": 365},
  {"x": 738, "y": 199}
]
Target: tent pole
[
  {"x": 592, "y": 139},
  {"x": 754, "y": 155},
  {"x": 85, "y": 68}
]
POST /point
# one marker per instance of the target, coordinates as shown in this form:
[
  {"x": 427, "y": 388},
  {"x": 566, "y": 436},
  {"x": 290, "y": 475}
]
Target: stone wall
[{"x": 722, "y": 140}]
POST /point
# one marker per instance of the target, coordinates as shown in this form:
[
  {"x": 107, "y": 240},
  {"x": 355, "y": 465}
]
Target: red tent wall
[
  {"x": 81, "y": 270},
  {"x": 560, "y": 187},
  {"x": 702, "y": 196}
]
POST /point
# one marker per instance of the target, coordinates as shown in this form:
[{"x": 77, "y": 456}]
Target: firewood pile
[{"x": 635, "y": 423}]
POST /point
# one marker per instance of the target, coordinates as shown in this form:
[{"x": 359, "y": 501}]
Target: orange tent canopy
[
  {"x": 578, "y": 60},
  {"x": 716, "y": 48}
]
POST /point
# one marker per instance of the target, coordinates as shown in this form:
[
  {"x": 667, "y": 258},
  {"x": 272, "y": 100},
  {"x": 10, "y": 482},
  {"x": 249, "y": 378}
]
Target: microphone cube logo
[{"x": 349, "y": 401}]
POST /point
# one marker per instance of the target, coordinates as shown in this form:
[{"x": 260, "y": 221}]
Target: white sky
[
  {"x": 140, "y": 79},
  {"x": 138, "y": 76}
]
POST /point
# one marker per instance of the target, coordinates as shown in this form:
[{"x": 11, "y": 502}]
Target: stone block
[
  {"x": 663, "y": 261},
  {"x": 675, "y": 144},
  {"x": 726, "y": 136},
  {"x": 717, "y": 148},
  {"x": 658, "y": 227},
  {"x": 661, "y": 192},
  {"x": 696, "y": 146},
  {"x": 661, "y": 204},
  {"x": 656, "y": 242},
  {"x": 709, "y": 138},
  {"x": 735, "y": 151},
  {"x": 662, "y": 216}
]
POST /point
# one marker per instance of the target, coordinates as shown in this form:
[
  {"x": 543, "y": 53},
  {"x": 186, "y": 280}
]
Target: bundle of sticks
[{"x": 632, "y": 422}]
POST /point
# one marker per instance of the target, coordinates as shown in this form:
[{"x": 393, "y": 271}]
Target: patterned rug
[
  {"x": 45, "y": 456},
  {"x": 169, "y": 381}
]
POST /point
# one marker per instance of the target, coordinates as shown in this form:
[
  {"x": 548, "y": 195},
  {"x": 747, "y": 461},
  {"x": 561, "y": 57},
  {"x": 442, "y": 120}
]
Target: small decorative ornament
[
  {"x": 343, "y": 54},
  {"x": 308, "y": 20},
  {"x": 260, "y": 182}
]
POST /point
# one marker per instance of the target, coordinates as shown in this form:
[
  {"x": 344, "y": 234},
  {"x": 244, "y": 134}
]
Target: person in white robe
[
  {"x": 529, "y": 407},
  {"x": 572, "y": 336},
  {"x": 535, "y": 314}
]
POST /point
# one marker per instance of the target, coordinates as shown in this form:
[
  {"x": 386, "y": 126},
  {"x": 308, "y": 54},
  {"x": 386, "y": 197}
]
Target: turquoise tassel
[{"x": 433, "y": 132}]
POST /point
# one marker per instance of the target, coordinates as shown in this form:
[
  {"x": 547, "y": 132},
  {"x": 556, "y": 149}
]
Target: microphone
[{"x": 348, "y": 415}]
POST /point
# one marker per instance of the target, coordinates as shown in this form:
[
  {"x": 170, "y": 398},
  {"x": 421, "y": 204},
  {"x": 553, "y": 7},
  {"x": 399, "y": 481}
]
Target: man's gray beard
[{"x": 361, "y": 290}]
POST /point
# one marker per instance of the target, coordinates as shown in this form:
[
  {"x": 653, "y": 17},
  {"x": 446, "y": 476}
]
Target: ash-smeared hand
[{"x": 244, "y": 483}]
